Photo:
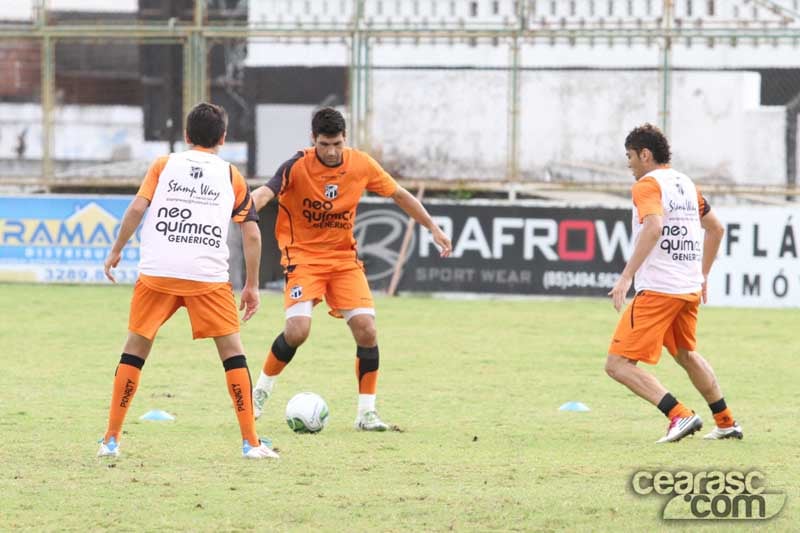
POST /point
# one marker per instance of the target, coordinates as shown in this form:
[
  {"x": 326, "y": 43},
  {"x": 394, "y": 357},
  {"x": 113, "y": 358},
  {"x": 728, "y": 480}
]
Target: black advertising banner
[{"x": 498, "y": 247}]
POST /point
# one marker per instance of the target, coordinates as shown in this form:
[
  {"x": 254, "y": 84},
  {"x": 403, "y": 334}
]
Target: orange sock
[
  {"x": 679, "y": 410},
  {"x": 240, "y": 388},
  {"x": 367, "y": 362},
  {"x": 724, "y": 419},
  {"x": 273, "y": 366},
  {"x": 126, "y": 381},
  {"x": 722, "y": 414}
]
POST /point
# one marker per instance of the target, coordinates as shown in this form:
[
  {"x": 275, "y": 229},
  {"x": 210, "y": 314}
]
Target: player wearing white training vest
[
  {"x": 677, "y": 237},
  {"x": 185, "y": 231},
  {"x": 674, "y": 266},
  {"x": 190, "y": 199}
]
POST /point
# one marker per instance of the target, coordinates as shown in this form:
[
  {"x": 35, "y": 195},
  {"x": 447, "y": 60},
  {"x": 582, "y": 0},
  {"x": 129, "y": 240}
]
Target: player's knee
[
  {"x": 295, "y": 333},
  {"x": 689, "y": 359},
  {"x": 364, "y": 330},
  {"x": 615, "y": 366},
  {"x": 367, "y": 336}
]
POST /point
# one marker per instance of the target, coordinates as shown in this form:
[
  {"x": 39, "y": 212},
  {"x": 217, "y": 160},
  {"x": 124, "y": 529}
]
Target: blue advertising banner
[{"x": 63, "y": 239}]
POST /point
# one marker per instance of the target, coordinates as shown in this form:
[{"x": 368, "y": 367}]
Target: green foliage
[{"x": 474, "y": 385}]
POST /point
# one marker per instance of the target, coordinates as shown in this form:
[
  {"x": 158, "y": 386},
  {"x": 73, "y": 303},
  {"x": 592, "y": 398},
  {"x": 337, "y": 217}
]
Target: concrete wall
[
  {"x": 453, "y": 124},
  {"x": 88, "y": 133}
]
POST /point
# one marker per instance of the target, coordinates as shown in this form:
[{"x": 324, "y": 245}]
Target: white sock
[
  {"x": 366, "y": 403},
  {"x": 266, "y": 383}
]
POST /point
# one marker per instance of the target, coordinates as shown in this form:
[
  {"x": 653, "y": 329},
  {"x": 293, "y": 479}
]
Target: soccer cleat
[
  {"x": 370, "y": 421},
  {"x": 262, "y": 451},
  {"x": 680, "y": 427},
  {"x": 733, "y": 432},
  {"x": 108, "y": 449},
  {"x": 260, "y": 397}
]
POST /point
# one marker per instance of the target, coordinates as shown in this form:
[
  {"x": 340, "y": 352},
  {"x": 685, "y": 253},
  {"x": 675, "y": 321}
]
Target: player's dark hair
[
  {"x": 206, "y": 124},
  {"x": 329, "y": 122},
  {"x": 650, "y": 137}
]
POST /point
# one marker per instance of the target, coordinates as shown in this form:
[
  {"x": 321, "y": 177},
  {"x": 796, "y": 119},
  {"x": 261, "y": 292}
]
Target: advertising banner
[
  {"x": 531, "y": 248},
  {"x": 499, "y": 247},
  {"x": 758, "y": 263},
  {"x": 63, "y": 239}
]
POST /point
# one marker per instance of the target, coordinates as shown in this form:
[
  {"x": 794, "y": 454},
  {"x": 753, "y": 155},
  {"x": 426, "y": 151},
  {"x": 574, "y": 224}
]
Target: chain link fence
[{"x": 480, "y": 91}]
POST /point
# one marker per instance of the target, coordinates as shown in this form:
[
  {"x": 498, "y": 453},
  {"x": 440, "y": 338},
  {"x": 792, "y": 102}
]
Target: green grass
[{"x": 475, "y": 385}]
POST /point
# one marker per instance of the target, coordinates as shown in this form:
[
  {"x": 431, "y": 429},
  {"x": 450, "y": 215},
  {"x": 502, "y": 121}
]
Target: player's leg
[
  {"x": 639, "y": 337},
  {"x": 362, "y": 325},
  {"x": 349, "y": 296},
  {"x": 214, "y": 315},
  {"x": 149, "y": 310},
  {"x": 237, "y": 376},
  {"x": 682, "y": 336},
  {"x": 285, "y": 345},
  {"x": 639, "y": 381},
  {"x": 305, "y": 286}
]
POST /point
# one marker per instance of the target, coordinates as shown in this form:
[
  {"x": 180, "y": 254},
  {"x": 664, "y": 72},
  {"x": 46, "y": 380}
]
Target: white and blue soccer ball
[{"x": 307, "y": 412}]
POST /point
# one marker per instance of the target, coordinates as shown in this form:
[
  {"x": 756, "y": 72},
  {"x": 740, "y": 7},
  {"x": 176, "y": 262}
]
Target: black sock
[
  {"x": 718, "y": 406},
  {"x": 667, "y": 403}
]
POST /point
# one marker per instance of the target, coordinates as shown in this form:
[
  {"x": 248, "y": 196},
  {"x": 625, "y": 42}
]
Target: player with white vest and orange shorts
[
  {"x": 677, "y": 237},
  {"x": 188, "y": 200}
]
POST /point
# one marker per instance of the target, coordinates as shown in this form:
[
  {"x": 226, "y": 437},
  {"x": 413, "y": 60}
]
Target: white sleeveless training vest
[
  {"x": 675, "y": 265},
  {"x": 185, "y": 231}
]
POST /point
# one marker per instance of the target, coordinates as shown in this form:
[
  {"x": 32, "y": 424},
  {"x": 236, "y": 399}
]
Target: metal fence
[{"x": 486, "y": 92}]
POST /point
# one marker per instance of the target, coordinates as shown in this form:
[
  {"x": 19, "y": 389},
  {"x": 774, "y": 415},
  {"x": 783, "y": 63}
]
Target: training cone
[
  {"x": 574, "y": 406},
  {"x": 156, "y": 414}
]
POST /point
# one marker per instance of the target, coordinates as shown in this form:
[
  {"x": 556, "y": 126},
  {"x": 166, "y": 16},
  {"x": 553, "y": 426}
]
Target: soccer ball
[{"x": 306, "y": 412}]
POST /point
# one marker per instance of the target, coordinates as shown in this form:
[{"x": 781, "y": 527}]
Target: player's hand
[
  {"x": 251, "y": 299},
  {"x": 705, "y": 289},
  {"x": 619, "y": 291},
  {"x": 112, "y": 260},
  {"x": 443, "y": 242}
]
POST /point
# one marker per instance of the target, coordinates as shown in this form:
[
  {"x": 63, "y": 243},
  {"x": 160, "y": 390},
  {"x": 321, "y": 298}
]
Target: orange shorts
[
  {"x": 343, "y": 285},
  {"x": 653, "y": 320},
  {"x": 212, "y": 314}
]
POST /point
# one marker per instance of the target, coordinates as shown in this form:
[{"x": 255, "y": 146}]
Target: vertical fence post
[
  {"x": 356, "y": 74},
  {"x": 48, "y": 103},
  {"x": 666, "y": 67},
  {"x": 512, "y": 157},
  {"x": 367, "y": 115},
  {"x": 195, "y": 80}
]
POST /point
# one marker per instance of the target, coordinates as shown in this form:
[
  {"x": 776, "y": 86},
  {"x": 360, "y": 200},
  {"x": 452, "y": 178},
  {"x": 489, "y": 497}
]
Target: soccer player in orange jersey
[
  {"x": 671, "y": 261},
  {"x": 318, "y": 190},
  {"x": 192, "y": 197}
]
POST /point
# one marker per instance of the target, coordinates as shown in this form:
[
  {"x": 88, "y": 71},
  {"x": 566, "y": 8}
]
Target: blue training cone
[
  {"x": 156, "y": 414},
  {"x": 574, "y": 406}
]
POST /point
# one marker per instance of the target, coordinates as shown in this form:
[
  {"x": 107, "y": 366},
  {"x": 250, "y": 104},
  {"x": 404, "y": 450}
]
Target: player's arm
[
  {"x": 648, "y": 237},
  {"x": 277, "y": 183},
  {"x": 711, "y": 242},
  {"x": 130, "y": 221},
  {"x": 251, "y": 243},
  {"x": 262, "y": 196},
  {"x": 413, "y": 208}
]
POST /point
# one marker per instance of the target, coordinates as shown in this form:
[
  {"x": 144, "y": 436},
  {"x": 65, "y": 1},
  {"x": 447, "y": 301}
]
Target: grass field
[{"x": 475, "y": 385}]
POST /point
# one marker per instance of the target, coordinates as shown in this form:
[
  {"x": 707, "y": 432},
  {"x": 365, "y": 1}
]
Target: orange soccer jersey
[{"x": 317, "y": 205}]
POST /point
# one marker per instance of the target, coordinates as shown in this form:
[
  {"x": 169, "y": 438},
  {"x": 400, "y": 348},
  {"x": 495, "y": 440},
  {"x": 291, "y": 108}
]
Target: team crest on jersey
[
  {"x": 331, "y": 191},
  {"x": 196, "y": 172},
  {"x": 296, "y": 292}
]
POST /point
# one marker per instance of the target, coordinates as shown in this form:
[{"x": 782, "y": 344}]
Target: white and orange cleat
[{"x": 680, "y": 427}]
